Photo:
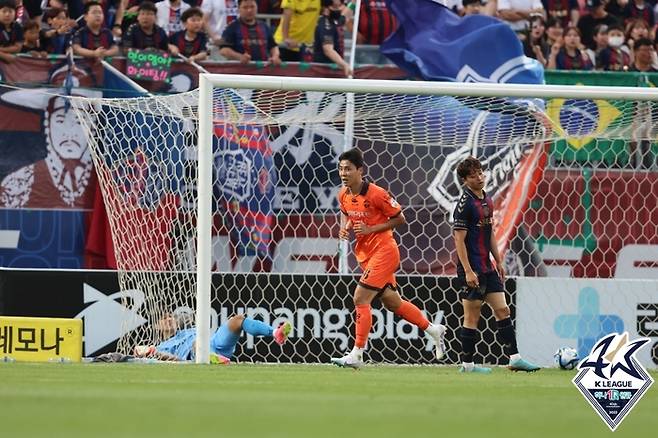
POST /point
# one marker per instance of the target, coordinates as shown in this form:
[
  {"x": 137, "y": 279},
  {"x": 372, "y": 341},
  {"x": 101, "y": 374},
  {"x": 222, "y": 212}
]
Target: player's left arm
[{"x": 496, "y": 256}]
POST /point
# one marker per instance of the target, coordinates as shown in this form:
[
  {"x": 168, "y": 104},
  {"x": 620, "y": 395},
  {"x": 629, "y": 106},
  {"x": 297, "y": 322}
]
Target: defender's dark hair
[
  {"x": 11, "y": 4},
  {"x": 192, "y": 12},
  {"x": 51, "y": 13},
  {"x": 354, "y": 156},
  {"x": 147, "y": 6},
  {"x": 468, "y": 166},
  {"x": 90, "y": 4},
  {"x": 642, "y": 42},
  {"x": 31, "y": 24}
]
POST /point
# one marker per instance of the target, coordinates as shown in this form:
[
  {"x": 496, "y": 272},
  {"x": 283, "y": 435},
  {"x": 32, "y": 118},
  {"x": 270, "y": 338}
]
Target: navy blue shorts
[{"x": 489, "y": 282}]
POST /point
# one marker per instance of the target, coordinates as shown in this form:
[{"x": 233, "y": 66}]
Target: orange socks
[
  {"x": 363, "y": 324},
  {"x": 409, "y": 312},
  {"x": 406, "y": 311}
]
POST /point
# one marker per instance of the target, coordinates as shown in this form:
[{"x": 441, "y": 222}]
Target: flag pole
[{"x": 343, "y": 245}]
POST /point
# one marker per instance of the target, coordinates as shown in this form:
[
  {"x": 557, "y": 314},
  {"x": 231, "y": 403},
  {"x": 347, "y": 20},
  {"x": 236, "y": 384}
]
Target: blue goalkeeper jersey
[{"x": 180, "y": 345}]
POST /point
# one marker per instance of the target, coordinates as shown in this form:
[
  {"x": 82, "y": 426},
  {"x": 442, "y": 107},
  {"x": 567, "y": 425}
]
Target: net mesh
[{"x": 561, "y": 172}]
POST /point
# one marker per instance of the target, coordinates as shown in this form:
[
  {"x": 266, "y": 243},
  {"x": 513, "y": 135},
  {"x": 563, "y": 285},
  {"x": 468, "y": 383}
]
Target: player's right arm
[
  {"x": 462, "y": 217},
  {"x": 460, "y": 244}
]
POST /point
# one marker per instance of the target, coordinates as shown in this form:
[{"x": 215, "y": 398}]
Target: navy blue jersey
[
  {"x": 580, "y": 61},
  {"x": 328, "y": 31},
  {"x": 56, "y": 44},
  {"x": 11, "y": 36},
  {"x": 255, "y": 39},
  {"x": 613, "y": 59},
  {"x": 475, "y": 215},
  {"x": 136, "y": 38},
  {"x": 87, "y": 39},
  {"x": 187, "y": 47}
]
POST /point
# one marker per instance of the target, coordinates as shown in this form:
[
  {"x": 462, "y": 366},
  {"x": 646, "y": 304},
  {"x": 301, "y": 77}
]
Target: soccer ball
[{"x": 566, "y": 358}]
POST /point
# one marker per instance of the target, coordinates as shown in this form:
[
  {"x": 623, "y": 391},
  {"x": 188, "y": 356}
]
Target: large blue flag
[{"x": 434, "y": 43}]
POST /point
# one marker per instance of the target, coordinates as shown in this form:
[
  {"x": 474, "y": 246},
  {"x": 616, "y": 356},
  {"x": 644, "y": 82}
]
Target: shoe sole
[
  {"x": 340, "y": 364},
  {"x": 516, "y": 370}
]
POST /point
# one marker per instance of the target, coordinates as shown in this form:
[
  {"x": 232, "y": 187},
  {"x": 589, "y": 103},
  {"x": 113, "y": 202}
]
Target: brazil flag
[{"x": 595, "y": 132}]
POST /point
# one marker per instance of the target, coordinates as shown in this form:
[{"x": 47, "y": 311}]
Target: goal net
[{"x": 273, "y": 246}]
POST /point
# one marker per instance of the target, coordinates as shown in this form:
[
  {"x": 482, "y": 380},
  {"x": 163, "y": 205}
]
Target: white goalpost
[{"x": 222, "y": 200}]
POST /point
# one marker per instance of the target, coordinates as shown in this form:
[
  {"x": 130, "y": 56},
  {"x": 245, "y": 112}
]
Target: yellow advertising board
[{"x": 40, "y": 339}]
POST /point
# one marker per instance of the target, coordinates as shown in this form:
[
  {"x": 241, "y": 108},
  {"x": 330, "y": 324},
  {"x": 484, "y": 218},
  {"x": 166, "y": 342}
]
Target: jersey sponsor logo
[{"x": 611, "y": 379}]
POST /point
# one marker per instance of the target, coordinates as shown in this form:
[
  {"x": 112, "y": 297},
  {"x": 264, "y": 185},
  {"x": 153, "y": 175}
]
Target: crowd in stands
[
  {"x": 612, "y": 35},
  {"x": 308, "y": 30}
]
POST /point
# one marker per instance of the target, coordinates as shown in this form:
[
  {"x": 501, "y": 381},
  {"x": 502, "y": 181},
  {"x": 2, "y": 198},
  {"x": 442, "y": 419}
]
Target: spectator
[
  {"x": 635, "y": 29},
  {"x": 564, "y": 10},
  {"x": 295, "y": 32},
  {"x": 329, "y": 43},
  {"x": 11, "y": 33},
  {"x": 568, "y": 56},
  {"x": 269, "y": 6},
  {"x": 94, "y": 40},
  {"x": 601, "y": 43},
  {"x": 56, "y": 32},
  {"x": 145, "y": 33},
  {"x": 517, "y": 12},
  {"x": 126, "y": 16},
  {"x": 73, "y": 8},
  {"x": 191, "y": 42},
  {"x": 217, "y": 14},
  {"x": 639, "y": 9},
  {"x": 113, "y": 11},
  {"x": 169, "y": 15},
  {"x": 616, "y": 57},
  {"x": 615, "y": 7},
  {"x": 598, "y": 15},
  {"x": 554, "y": 31},
  {"x": 32, "y": 42},
  {"x": 535, "y": 45},
  {"x": 376, "y": 22},
  {"x": 33, "y": 8},
  {"x": 644, "y": 56},
  {"x": 471, "y": 7},
  {"x": 248, "y": 39},
  {"x": 22, "y": 14}
]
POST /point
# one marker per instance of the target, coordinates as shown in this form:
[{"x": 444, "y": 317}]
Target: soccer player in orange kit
[{"x": 371, "y": 213}]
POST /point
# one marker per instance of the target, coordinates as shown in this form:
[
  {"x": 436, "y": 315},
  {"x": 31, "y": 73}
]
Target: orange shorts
[{"x": 379, "y": 269}]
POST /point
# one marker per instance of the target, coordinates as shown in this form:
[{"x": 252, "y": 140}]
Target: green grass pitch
[{"x": 160, "y": 400}]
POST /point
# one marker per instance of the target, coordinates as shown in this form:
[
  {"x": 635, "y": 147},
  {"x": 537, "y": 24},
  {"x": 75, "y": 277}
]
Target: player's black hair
[
  {"x": 89, "y": 5},
  {"x": 354, "y": 156},
  {"x": 11, "y": 4},
  {"x": 468, "y": 166},
  {"x": 642, "y": 42},
  {"x": 192, "y": 12},
  {"x": 31, "y": 24},
  {"x": 147, "y": 6},
  {"x": 240, "y": 2}
]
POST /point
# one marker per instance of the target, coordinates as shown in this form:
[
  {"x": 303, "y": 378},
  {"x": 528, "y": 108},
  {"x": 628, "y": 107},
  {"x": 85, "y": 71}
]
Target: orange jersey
[{"x": 372, "y": 206}]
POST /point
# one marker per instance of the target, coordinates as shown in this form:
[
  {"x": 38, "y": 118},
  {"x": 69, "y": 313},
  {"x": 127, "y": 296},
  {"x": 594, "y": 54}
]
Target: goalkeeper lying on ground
[{"x": 179, "y": 343}]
